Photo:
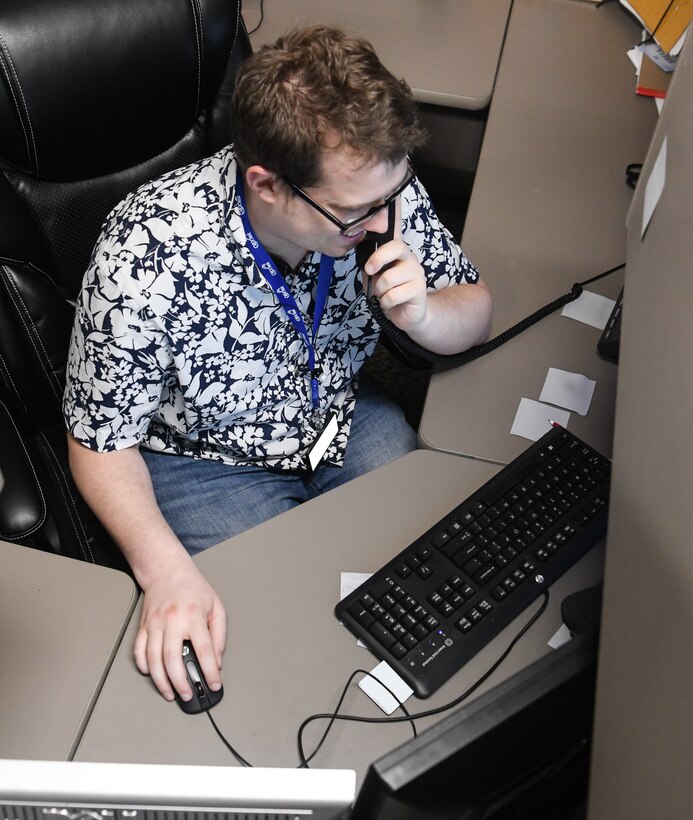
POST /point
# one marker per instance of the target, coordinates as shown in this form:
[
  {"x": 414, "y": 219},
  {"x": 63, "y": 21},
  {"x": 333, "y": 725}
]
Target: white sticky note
[
  {"x": 654, "y": 187},
  {"x": 560, "y": 637},
  {"x": 348, "y": 583},
  {"x": 533, "y": 419},
  {"x": 590, "y": 308},
  {"x": 570, "y": 390},
  {"x": 377, "y": 693}
]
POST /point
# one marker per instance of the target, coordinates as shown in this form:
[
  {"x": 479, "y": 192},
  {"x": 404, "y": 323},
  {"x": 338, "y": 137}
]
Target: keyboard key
[
  {"x": 361, "y": 614},
  {"x": 464, "y": 624},
  {"x": 440, "y": 539},
  {"x": 409, "y": 621},
  {"x": 377, "y": 611},
  {"x": 456, "y": 600},
  {"x": 420, "y": 631},
  {"x": 419, "y": 612},
  {"x": 446, "y": 609},
  {"x": 431, "y": 622},
  {"x": 381, "y": 588},
  {"x": 381, "y": 634},
  {"x": 398, "y": 650},
  {"x": 499, "y": 593},
  {"x": 409, "y": 641},
  {"x": 403, "y": 570}
]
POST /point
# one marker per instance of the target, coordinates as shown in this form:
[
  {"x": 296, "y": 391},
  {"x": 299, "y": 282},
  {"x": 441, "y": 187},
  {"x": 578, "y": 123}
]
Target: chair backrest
[{"x": 96, "y": 97}]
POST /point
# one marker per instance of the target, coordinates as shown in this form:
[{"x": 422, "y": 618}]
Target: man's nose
[{"x": 379, "y": 222}]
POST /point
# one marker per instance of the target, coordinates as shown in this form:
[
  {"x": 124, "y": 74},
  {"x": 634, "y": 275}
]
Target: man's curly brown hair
[{"x": 318, "y": 88}]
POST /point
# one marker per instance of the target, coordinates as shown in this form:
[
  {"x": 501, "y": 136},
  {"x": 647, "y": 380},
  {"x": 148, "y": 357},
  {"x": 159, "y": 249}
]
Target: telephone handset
[
  {"x": 413, "y": 353},
  {"x": 372, "y": 241}
]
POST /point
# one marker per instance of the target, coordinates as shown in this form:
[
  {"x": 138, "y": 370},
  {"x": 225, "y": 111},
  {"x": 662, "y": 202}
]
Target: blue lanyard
[{"x": 280, "y": 289}]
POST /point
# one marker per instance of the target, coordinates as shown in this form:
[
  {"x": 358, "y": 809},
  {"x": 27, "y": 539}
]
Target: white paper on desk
[
  {"x": 590, "y": 308},
  {"x": 385, "y": 673},
  {"x": 350, "y": 580},
  {"x": 654, "y": 187},
  {"x": 570, "y": 390},
  {"x": 561, "y": 637},
  {"x": 533, "y": 419},
  {"x": 348, "y": 583}
]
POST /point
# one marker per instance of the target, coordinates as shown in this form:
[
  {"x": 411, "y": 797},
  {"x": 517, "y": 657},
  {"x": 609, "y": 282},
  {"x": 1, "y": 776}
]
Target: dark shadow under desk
[{"x": 287, "y": 656}]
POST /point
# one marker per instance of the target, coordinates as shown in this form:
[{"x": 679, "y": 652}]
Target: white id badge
[{"x": 322, "y": 442}]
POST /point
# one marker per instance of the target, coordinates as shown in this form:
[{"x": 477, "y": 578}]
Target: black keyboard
[{"x": 443, "y": 598}]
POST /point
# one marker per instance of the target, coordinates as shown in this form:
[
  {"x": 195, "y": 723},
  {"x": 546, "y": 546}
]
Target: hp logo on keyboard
[{"x": 539, "y": 579}]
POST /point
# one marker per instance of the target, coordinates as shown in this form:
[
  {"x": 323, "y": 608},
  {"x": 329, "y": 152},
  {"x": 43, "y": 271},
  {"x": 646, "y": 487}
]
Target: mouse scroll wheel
[
  {"x": 192, "y": 671},
  {"x": 196, "y": 680}
]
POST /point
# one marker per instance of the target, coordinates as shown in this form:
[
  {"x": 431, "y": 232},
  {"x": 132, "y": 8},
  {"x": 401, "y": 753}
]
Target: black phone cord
[{"x": 408, "y": 347}]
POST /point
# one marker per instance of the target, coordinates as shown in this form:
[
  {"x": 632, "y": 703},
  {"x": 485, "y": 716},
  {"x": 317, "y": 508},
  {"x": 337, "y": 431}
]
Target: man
[{"x": 212, "y": 378}]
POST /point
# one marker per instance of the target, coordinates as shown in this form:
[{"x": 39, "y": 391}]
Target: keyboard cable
[
  {"x": 407, "y": 717},
  {"x": 331, "y": 717}
]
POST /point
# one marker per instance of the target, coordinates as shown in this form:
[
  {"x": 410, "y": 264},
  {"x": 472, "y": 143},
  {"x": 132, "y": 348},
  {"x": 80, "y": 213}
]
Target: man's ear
[{"x": 263, "y": 183}]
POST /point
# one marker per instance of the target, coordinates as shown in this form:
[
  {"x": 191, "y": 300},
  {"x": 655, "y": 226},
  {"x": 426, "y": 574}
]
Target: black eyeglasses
[{"x": 346, "y": 227}]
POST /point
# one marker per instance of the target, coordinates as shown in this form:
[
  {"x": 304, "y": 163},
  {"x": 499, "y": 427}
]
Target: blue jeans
[{"x": 206, "y": 501}]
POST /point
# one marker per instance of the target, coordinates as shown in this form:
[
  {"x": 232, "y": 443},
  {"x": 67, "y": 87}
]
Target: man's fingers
[{"x": 218, "y": 631}]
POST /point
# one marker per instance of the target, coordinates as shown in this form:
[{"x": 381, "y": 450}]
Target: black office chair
[{"x": 96, "y": 97}]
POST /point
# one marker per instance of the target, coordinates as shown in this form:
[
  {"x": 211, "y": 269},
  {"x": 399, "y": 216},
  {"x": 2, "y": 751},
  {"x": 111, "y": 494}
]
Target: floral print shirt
[{"x": 180, "y": 345}]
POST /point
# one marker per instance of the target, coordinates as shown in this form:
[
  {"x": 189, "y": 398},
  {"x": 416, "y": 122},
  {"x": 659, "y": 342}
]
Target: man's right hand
[
  {"x": 178, "y": 607},
  {"x": 179, "y": 603}
]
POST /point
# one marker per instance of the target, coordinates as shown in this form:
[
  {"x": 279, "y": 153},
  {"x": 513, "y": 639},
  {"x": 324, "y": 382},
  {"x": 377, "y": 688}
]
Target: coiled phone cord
[{"x": 408, "y": 347}]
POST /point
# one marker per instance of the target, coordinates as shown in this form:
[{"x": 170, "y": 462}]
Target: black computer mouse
[{"x": 203, "y": 697}]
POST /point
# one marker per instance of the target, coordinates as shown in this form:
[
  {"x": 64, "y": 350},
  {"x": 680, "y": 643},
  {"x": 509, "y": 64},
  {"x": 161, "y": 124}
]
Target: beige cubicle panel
[
  {"x": 548, "y": 209},
  {"x": 448, "y": 51},
  {"x": 643, "y": 745}
]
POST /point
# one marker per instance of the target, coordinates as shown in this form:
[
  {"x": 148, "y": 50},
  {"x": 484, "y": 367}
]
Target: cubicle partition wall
[{"x": 641, "y": 766}]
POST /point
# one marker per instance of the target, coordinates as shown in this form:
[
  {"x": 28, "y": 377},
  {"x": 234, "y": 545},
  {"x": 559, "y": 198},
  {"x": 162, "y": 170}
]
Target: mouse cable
[
  {"x": 336, "y": 716},
  {"x": 244, "y": 762},
  {"x": 226, "y": 743},
  {"x": 333, "y": 716}
]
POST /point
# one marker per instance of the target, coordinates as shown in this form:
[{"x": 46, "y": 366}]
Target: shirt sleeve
[
  {"x": 442, "y": 258},
  {"x": 116, "y": 365}
]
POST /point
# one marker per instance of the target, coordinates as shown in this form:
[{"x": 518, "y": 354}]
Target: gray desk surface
[
  {"x": 548, "y": 209},
  {"x": 448, "y": 51},
  {"x": 61, "y": 623},
  {"x": 288, "y": 657}
]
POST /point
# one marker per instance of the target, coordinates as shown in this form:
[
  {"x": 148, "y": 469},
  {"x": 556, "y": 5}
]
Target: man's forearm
[
  {"x": 117, "y": 487},
  {"x": 457, "y": 318},
  {"x": 179, "y": 603}
]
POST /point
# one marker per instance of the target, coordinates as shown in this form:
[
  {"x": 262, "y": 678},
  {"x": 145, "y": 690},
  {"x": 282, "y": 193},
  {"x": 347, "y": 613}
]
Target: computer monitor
[
  {"x": 41, "y": 790},
  {"x": 520, "y": 751}
]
